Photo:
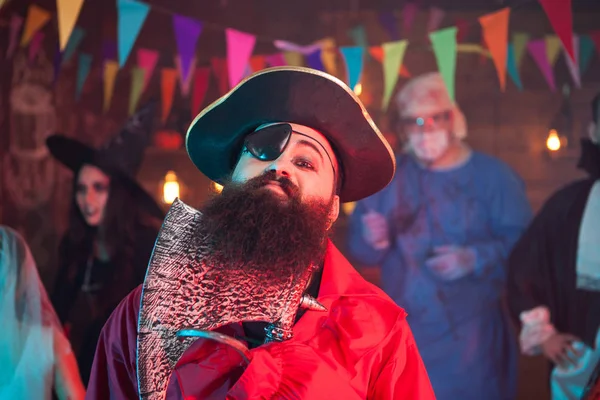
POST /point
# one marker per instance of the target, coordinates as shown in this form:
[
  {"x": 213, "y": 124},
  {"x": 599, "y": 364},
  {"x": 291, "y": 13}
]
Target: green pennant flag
[
  {"x": 444, "y": 48},
  {"x": 586, "y": 50},
  {"x": 393, "y": 54},
  {"x": 137, "y": 84},
  {"x": 519, "y": 42}
]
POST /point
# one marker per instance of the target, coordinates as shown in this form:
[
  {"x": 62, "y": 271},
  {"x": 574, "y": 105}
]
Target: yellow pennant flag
[
  {"x": 68, "y": 12},
  {"x": 294, "y": 58},
  {"x": 553, "y": 46},
  {"x": 393, "y": 55},
  {"x": 137, "y": 85},
  {"x": 111, "y": 68},
  {"x": 520, "y": 41},
  {"x": 37, "y": 17}
]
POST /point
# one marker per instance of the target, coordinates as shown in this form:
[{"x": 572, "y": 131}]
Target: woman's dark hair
[{"x": 121, "y": 219}]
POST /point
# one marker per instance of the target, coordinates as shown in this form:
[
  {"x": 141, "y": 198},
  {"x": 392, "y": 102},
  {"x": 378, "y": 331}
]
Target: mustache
[{"x": 268, "y": 177}]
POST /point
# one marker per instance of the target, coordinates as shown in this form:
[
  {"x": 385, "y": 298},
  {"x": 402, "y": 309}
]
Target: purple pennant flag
[
  {"x": 313, "y": 60},
  {"x": 389, "y": 23},
  {"x": 109, "y": 50},
  {"x": 187, "y": 32}
]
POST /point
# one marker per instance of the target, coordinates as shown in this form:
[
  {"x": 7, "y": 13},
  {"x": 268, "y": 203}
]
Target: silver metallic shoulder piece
[{"x": 181, "y": 292}]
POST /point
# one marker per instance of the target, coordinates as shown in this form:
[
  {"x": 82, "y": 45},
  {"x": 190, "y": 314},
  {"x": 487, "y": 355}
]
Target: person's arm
[
  {"x": 404, "y": 375},
  {"x": 114, "y": 374},
  {"x": 358, "y": 247},
  {"x": 510, "y": 213},
  {"x": 67, "y": 382}
]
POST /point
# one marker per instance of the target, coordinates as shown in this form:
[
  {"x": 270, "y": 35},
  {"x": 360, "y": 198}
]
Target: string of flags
[{"x": 507, "y": 51}]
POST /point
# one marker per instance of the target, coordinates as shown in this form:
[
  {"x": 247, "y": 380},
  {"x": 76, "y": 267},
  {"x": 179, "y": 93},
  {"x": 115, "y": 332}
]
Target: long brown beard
[{"x": 248, "y": 226}]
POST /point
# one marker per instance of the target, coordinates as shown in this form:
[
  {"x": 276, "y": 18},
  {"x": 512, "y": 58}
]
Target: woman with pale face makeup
[{"x": 112, "y": 227}]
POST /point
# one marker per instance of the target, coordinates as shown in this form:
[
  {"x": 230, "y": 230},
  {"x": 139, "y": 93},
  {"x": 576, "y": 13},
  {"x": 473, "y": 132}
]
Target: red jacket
[{"x": 362, "y": 347}]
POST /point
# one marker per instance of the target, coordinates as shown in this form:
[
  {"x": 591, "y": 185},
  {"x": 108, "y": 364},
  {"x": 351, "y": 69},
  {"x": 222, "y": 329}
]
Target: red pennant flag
[
  {"x": 595, "y": 35},
  {"x": 463, "y": 29},
  {"x": 201, "y": 77},
  {"x": 219, "y": 66},
  {"x": 561, "y": 18}
]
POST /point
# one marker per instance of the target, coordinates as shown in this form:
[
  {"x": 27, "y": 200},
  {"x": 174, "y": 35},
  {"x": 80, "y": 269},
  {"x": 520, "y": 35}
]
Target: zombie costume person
[
  {"x": 35, "y": 356},
  {"x": 112, "y": 228},
  {"x": 554, "y": 277},
  {"x": 278, "y": 310},
  {"x": 441, "y": 232}
]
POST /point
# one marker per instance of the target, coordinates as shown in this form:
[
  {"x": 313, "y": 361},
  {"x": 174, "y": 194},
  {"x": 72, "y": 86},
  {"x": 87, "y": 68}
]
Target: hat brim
[
  {"x": 73, "y": 154},
  {"x": 298, "y": 95}
]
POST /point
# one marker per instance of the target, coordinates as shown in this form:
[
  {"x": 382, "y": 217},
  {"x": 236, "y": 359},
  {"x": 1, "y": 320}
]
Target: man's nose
[{"x": 280, "y": 167}]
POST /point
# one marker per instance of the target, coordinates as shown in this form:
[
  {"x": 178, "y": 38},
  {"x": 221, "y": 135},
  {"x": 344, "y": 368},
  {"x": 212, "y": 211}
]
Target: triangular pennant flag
[
  {"x": 84, "y": 65},
  {"x": 110, "y": 74},
  {"x": 409, "y": 12},
  {"x": 586, "y": 50},
  {"x": 37, "y": 17},
  {"x": 131, "y": 15},
  {"x": 314, "y": 60},
  {"x": 377, "y": 53},
  {"x": 15, "y": 26},
  {"x": 393, "y": 54},
  {"x": 167, "y": 83},
  {"x": 219, "y": 67},
  {"x": 201, "y": 77},
  {"x": 109, "y": 50},
  {"x": 137, "y": 86},
  {"x": 520, "y": 41},
  {"x": 561, "y": 18},
  {"x": 147, "y": 59},
  {"x": 35, "y": 45},
  {"x": 495, "y": 32},
  {"x": 354, "y": 64},
  {"x": 239, "y": 50},
  {"x": 258, "y": 63},
  {"x": 552, "y": 49},
  {"x": 359, "y": 36},
  {"x": 511, "y": 65},
  {"x": 328, "y": 55},
  {"x": 68, "y": 12},
  {"x": 284, "y": 45},
  {"x": 389, "y": 23},
  {"x": 463, "y": 29},
  {"x": 184, "y": 83},
  {"x": 187, "y": 32},
  {"x": 444, "y": 48},
  {"x": 574, "y": 64},
  {"x": 436, "y": 16},
  {"x": 537, "y": 49},
  {"x": 74, "y": 41},
  {"x": 275, "y": 60},
  {"x": 293, "y": 58}
]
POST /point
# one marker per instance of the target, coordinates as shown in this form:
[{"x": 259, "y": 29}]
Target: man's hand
[
  {"x": 375, "y": 230},
  {"x": 559, "y": 349},
  {"x": 452, "y": 262}
]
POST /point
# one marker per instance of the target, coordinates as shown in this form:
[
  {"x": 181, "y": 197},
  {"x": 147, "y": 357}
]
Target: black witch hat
[{"x": 120, "y": 157}]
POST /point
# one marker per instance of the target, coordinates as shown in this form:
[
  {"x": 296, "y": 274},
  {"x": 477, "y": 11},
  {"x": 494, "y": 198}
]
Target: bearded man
[{"x": 289, "y": 145}]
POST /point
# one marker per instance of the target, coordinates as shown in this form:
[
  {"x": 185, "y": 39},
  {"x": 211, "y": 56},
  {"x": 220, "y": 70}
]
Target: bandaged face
[{"x": 429, "y": 137}]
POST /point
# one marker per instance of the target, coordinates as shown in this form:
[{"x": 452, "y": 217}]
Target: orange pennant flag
[
  {"x": 377, "y": 53},
  {"x": 110, "y": 74},
  {"x": 495, "y": 32},
  {"x": 37, "y": 17},
  {"x": 167, "y": 83},
  {"x": 258, "y": 63}
]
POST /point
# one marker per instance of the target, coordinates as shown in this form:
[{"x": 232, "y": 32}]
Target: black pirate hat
[
  {"x": 120, "y": 157},
  {"x": 298, "y": 95}
]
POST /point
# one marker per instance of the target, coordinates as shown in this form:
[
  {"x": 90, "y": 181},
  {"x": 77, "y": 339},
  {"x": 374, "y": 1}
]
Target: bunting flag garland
[
  {"x": 293, "y": 58},
  {"x": 553, "y": 47},
  {"x": 184, "y": 82},
  {"x": 239, "y": 50},
  {"x": 573, "y": 64},
  {"x": 359, "y": 36},
  {"x": 147, "y": 59},
  {"x": 409, "y": 12},
  {"x": 111, "y": 68},
  {"x": 201, "y": 79},
  {"x": 83, "y": 69},
  {"x": 258, "y": 63},
  {"x": 35, "y": 45},
  {"x": 15, "y": 26},
  {"x": 220, "y": 69},
  {"x": 354, "y": 64},
  {"x": 511, "y": 66},
  {"x": 538, "y": 50},
  {"x": 560, "y": 14},
  {"x": 315, "y": 60},
  {"x": 137, "y": 86},
  {"x": 520, "y": 41},
  {"x": 586, "y": 51},
  {"x": 167, "y": 82},
  {"x": 389, "y": 23},
  {"x": 75, "y": 40}
]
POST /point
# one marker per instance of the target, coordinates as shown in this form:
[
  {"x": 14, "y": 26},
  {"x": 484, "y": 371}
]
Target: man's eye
[{"x": 305, "y": 164}]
